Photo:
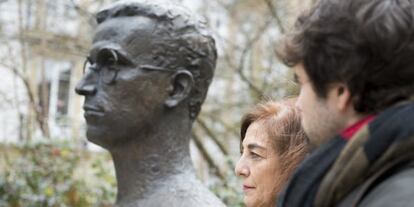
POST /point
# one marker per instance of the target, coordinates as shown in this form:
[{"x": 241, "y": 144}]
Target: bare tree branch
[
  {"x": 229, "y": 127},
  {"x": 275, "y": 15},
  {"x": 207, "y": 157},
  {"x": 38, "y": 114},
  {"x": 247, "y": 48},
  {"x": 83, "y": 12},
  {"x": 211, "y": 134}
]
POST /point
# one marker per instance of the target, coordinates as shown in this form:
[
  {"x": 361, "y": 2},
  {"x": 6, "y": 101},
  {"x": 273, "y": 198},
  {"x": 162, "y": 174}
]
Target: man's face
[
  {"x": 122, "y": 100},
  {"x": 320, "y": 117}
]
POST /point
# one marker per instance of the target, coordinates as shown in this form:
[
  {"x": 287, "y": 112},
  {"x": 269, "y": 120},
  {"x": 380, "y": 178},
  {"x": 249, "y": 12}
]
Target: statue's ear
[{"x": 180, "y": 88}]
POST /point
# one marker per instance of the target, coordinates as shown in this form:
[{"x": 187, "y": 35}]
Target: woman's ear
[{"x": 181, "y": 86}]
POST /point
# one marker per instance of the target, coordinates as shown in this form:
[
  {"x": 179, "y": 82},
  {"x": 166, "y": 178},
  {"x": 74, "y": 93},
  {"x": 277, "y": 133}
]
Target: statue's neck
[{"x": 142, "y": 167}]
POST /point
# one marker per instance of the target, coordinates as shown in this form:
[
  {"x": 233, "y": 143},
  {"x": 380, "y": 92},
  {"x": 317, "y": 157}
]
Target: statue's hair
[{"x": 186, "y": 41}]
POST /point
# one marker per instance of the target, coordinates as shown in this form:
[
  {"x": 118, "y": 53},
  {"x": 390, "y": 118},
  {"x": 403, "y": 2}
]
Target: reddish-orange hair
[{"x": 281, "y": 121}]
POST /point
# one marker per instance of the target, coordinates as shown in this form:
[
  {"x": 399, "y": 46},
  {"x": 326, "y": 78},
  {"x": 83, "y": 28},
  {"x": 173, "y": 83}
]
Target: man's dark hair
[
  {"x": 366, "y": 44},
  {"x": 184, "y": 42}
]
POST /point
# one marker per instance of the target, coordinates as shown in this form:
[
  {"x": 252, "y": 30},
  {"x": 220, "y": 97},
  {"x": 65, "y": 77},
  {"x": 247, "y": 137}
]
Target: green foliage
[
  {"x": 229, "y": 188},
  {"x": 50, "y": 175},
  {"x": 60, "y": 174}
]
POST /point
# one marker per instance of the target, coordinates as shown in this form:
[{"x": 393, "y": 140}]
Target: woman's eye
[{"x": 254, "y": 155}]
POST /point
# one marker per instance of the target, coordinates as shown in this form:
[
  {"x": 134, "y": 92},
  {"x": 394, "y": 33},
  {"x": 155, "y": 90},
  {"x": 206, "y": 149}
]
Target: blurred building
[
  {"x": 43, "y": 45},
  {"x": 42, "y": 48}
]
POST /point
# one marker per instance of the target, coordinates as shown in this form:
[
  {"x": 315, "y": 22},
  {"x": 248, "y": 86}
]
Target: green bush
[
  {"x": 49, "y": 174},
  {"x": 229, "y": 188},
  {"x": 60, "y": 174}
]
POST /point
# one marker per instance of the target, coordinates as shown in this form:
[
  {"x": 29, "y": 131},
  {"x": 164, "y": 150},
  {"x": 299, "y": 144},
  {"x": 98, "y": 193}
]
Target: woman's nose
[{"x": 241, "y": 168}]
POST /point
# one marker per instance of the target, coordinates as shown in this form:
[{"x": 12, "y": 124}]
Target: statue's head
[{"x": 148, "y": 61}]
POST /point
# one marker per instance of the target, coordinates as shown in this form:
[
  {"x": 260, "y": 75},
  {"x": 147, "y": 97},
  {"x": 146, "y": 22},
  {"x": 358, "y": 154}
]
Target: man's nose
[{"x": 85, "y": 88}]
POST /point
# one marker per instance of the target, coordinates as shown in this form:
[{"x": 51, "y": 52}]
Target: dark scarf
[{"x": 336, "y": 168}]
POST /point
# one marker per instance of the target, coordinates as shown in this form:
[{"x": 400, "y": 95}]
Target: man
[
  {"x": 146, "y": 77},
  {"x": 354, "y": 62}
]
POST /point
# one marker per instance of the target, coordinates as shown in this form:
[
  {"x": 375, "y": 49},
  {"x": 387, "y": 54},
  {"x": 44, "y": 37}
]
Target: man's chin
[
  {"x": 314, "y": 139},
  {"x": 317, "y": 139}
]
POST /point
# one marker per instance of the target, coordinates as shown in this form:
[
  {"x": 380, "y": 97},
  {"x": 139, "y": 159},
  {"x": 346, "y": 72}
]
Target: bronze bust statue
[{"x": 145, "y": 79}]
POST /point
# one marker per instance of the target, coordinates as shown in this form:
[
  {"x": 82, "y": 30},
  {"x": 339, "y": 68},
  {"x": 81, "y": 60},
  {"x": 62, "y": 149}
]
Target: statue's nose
[{"x": 85, "y": 89}]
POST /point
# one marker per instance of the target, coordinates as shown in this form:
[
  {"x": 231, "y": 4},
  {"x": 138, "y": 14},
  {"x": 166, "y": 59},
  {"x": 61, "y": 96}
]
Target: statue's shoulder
[
  {"x": 183, "y": 190},
  {"x": 183, "y": 194}
]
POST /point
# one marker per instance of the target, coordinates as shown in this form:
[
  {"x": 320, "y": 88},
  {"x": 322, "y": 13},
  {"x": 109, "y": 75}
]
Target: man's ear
[
  {"x": 344, "y": 98},
  {"x": 181, "y": 86}
]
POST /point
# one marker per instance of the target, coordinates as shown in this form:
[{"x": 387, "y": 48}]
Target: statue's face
[{"x": 124, "y": 96}]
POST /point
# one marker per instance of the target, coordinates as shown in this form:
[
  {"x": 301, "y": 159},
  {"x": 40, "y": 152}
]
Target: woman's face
[{"x": 259, "y": 167}]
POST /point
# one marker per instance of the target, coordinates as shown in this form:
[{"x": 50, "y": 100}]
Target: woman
[{"x": 272, "y": 145}]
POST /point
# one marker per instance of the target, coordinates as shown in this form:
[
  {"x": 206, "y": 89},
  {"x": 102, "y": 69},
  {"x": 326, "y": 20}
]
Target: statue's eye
[
  {"x": 89, "y": 65},
  {"x": 107, "y": 58}
]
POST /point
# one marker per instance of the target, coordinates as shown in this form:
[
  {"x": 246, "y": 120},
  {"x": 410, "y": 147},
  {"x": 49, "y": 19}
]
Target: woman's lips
[{"x": 247, "y": 188}]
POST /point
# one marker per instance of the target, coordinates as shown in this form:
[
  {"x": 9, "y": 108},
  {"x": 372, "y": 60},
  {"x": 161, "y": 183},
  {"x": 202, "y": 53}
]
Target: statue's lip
[{"x": 91, "y": 108}]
